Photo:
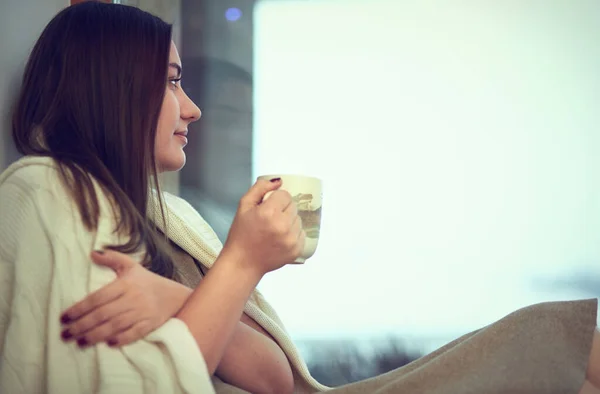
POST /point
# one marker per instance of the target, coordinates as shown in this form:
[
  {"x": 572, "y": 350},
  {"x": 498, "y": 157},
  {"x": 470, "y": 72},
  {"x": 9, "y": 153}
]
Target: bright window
[{"x": 459, "y": 146}]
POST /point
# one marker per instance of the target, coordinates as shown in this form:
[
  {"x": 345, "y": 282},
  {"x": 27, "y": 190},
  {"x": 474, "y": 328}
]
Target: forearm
[
  {"x": 255, "y": 363},
  {"x": 252, "y": 360},
  {"x": 213, "y": 310}
]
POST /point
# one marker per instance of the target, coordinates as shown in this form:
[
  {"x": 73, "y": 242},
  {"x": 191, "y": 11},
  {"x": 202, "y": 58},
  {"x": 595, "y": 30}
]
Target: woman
[{"x": 101, "y": 112}]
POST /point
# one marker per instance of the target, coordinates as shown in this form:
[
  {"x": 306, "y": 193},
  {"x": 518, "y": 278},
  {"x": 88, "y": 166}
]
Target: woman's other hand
[
  {"x": 265, "y": 235},
  {"x": 128, "y": 309}
]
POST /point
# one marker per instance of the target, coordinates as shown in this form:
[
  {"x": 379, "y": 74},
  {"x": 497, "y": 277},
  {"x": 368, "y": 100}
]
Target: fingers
[
  {"x": 301, "y": 235},
  {"x": 301, "y": 242},
  {"x": 291, "y": 210},
  {"x": 279, "y": 201},
  {"x": 107, "y": 294},
  {"x": 296, "y": 238},
  {"x": 257, "y": 192},
  {"x": 296, "y": 226},
  {"x": 101, "y": 324},
  {"x": 131, "y": 334},
  {"x": 119, "y": 262}
]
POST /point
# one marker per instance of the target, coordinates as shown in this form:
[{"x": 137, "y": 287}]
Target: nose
[{"x": 189, "y": 110}]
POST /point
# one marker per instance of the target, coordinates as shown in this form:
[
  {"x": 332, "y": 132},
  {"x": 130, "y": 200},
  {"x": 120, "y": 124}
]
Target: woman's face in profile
[{"x": 176, "y": 113}]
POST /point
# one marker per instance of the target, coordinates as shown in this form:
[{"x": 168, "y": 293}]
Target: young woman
[{"x": 109, "y": 285}]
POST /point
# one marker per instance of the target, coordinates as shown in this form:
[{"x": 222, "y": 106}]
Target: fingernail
[
  {"x": 275, "y": 180},
  {"x": 112, "y": 342},
  {"x": 66, "y": 334},
  {"x": 82, "y": 342},
  {"x": 64, "y": 319},
  {"x": 99, "y": 251}
]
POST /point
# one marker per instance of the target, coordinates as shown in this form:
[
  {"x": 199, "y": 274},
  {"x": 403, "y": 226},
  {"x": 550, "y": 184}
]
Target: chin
[{"x": 172, "y": 164}]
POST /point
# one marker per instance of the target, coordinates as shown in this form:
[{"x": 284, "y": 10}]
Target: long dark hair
[{"x": 91, "y": 97}]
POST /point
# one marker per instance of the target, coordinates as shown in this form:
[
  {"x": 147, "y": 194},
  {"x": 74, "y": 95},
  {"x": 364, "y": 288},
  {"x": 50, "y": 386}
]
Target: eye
[{"x": 175, "y": 82}]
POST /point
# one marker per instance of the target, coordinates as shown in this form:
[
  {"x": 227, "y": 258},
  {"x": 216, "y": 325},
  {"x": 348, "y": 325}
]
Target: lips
[{"x": 182, "y": 136}]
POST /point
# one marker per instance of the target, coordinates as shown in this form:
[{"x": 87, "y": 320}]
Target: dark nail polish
[
  {"x": 112, "y": 342},
  {"x": 64, "y": 319},
  {"x": 275, "y": 180},
  {"x": 66, "y": 335},
  {"x": 82, "y": 342}
]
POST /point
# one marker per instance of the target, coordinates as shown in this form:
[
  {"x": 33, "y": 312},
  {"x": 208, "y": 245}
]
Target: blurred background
[{"x": 457, "y": 140}]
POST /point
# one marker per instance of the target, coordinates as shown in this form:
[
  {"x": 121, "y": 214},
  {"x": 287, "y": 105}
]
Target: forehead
[{"x": 174, "y": 54}]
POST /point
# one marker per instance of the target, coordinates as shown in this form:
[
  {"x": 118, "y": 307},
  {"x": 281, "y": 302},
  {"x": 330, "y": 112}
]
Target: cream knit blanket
[{"x": 45, "y": 267}]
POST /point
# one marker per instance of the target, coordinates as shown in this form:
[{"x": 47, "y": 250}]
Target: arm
[
  {"x": 248, "y": 359},
  {"x": 251, "y": 353},
  {"x": 44, "y": 256},
  {"x": 251, "y": 359},
  {"x": 264, "y": 237},
  {"x": 215, "y": 307},
  {"x": 21, "y": 347}
]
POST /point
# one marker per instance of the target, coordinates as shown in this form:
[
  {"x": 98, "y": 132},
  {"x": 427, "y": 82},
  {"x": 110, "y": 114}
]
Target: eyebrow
[{"x": 176, "y": 67}]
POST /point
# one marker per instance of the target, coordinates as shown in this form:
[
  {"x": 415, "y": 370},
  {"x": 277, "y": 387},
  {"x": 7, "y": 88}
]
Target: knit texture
[
  {"x": 539, "y": 349},
  {"x": 45, "y": 267},
  {"x": 186, "y": 228},
  {"x": 45, "y": 253}
]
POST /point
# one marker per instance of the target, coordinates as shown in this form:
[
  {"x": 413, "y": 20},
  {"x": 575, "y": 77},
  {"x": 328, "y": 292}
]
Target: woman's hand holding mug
[{"x": 265, "y": 234}]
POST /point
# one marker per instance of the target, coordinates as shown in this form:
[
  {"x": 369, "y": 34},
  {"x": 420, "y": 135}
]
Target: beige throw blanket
[
  {"x": 187, "y": 229},
  {"x": 45, "y": 267}
]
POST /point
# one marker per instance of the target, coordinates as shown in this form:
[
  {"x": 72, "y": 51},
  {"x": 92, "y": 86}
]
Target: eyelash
[{"x": 176, "y": 82}]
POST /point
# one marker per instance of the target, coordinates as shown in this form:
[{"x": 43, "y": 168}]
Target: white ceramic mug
[{"x": 307, "y": 193}]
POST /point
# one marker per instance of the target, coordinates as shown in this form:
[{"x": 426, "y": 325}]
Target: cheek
[
  {"x": 168, "y": 122},
  {"x": 169, "y": 114}
]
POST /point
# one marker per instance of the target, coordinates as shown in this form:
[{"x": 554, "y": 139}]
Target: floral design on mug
[{"x": 310, "y": 215}]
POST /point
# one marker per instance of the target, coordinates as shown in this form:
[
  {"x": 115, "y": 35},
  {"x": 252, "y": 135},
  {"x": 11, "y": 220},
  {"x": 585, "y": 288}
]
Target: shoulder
[
  {"x": 36, "y": 178},
  {"x": 40, "y": 175},
  {"x": 31, "y": 173},
  {"x": 35, "y": 205},
  {"x": 32, "y": 180},
  {"x": 36, "y": 181}
]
